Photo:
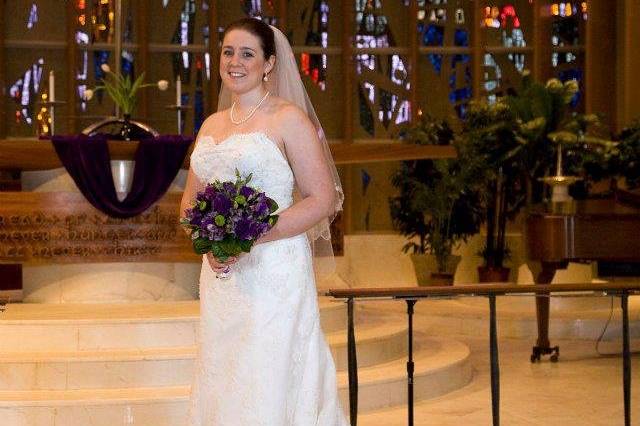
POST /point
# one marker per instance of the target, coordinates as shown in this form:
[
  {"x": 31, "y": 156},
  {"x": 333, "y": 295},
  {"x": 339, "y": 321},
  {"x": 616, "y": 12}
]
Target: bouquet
[{"x": 228, "y": 217}]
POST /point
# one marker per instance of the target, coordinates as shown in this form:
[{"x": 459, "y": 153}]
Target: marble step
[
  {"x": 76, "y": 327},
  {"x": 442, "y": 365},
  {"x": 165, "y": 366}
]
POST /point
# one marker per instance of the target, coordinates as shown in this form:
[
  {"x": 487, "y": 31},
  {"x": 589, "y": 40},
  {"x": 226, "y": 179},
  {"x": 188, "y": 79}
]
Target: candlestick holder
[
  {"x": 51, "y": 105},
  {"x": 561, "y": 201},
  {"x": 179, "y": 110}
]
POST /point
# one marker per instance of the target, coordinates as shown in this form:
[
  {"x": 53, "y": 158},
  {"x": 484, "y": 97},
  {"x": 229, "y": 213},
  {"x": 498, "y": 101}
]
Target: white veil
[{"x": 285, "y": 82}]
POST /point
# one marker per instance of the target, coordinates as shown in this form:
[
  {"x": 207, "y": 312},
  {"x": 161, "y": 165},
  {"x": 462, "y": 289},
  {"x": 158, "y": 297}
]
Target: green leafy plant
[
  {"x": 435, "y": 204},
  {"x": 122, "y": 90},
  {"x": 626, "y": 160}
]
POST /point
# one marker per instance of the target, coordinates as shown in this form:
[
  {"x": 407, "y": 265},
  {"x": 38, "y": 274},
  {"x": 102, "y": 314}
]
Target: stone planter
[{"x": 426, "y": 268}]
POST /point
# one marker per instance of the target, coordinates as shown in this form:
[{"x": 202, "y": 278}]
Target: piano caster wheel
[
  {"x": 535, "y": 354},
  {"x": 556, "y": 354}
]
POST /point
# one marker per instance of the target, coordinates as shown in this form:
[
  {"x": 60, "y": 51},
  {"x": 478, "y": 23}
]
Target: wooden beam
[
  {"x": 628, "y": 63},
  {"x": 283, "y": 23},
  {"x": 414, "y": 58},
  {"x": 4, "y": 116},
  {"x": 72, "y": 63},
  {"x": 214, "y": 57},
  {"x": 347, "y": 69},
  {"x": 600, "y": 58},
  {"x": 32, "y": 154},
  {"x": 477, "y": 50},
  {"x": 347, "y": 113},
  {"x": 142, "y": 54}
]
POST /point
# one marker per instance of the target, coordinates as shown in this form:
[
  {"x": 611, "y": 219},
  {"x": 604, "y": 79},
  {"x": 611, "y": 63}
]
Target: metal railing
[{"x": 411, "y": 295}]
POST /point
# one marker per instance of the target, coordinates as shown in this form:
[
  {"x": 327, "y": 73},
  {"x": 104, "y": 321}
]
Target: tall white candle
[
  {"x": 178, "y": 92},
  {"x": 52, "y": 97},
  {"x": 52, "y": 86}
]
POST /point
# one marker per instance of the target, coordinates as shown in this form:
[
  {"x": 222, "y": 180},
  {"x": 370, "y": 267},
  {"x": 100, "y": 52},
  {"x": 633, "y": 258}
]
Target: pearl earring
[{"x": 265, "y": 78}]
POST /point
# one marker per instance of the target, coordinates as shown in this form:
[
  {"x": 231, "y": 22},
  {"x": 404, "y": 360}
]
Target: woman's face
[{"x": 242, "y": 63}]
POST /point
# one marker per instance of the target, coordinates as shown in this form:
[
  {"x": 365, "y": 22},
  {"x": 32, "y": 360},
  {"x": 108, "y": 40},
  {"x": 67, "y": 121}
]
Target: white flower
[
  {"x": 87, "y": 95},
  {"x": 163, "y": 85},
  {"x": 105, "y": 68}
]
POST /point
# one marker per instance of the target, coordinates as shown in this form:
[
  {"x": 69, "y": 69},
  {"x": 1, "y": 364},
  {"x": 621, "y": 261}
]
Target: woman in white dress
[{"x": 262, "y": 357}]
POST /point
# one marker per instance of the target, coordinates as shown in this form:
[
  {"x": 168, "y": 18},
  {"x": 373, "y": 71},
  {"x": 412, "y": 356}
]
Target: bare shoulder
[
  {"x": 211, "y": 122},
  {"x": 288, "y": 115}
]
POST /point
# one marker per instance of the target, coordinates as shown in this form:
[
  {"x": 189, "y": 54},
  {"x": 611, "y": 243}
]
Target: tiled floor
[{"x": 583, "y": 388}]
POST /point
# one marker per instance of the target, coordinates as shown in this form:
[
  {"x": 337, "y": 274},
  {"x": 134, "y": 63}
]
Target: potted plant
[
  {"x": 490, "y": 146},
  {"x": 513, "y": 143},
  {"x": 626, "y": 161},
  {"x": 435, "y": 208}
]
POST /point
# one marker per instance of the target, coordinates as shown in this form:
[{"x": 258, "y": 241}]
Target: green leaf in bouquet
[
  {"x": 273, "y": 220},
  {"x": 246, "y": 245},
  {"x": 218, "y": 252},
  {"x": 240, "y": 200},
  {"x": 202, "y": 205},
  {"x": 231, "y": 246},
  {"x": 273, "y": 206},
  {"x": 201, "y": 246}
]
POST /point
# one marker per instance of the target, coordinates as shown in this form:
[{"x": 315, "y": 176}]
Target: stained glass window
[
  {"x": 443, "y": 24},
  {"x": 567, "y": 43},
  {"x": 505, "y": 32},
  {"x": 383, "y": 79}
]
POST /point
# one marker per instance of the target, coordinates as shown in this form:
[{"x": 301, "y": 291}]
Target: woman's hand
[{"x": 218, "y": 266}]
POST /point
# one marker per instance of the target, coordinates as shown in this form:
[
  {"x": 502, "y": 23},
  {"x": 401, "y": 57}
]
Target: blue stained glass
[
  {"x": 461, "y": 37},
  {"x": 100, "y": 57},
  {"x": 434, "y": 36}
]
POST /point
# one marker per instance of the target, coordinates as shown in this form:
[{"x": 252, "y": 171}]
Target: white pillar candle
[
  {"x": 52, "y": 97},
  {"x": 178, "y": 92},
  {"x": 52, "y": 86}
]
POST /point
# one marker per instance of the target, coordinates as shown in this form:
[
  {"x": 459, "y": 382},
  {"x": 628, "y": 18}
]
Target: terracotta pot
[
  {"x": 493, "y": 275},
  {"x": 426, "y": 268}
]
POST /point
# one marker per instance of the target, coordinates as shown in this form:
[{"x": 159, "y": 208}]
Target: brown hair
[{"x": 259, "y": 29}]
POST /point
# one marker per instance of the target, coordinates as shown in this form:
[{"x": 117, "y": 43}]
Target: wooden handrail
[
  {"x": 33, "y": 154},
  {"x": 481, "y": 290}
]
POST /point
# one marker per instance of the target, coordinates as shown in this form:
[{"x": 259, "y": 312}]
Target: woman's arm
[{"x": 312, "y": 173}]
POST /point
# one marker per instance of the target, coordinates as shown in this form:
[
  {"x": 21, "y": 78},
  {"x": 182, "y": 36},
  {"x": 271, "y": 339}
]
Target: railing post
[
  {"x": 626, "y": 358},
  {"x": 495, "y": 367},
  {"x": 410, "y": 304},
  {"x": 353, "y": 365}
]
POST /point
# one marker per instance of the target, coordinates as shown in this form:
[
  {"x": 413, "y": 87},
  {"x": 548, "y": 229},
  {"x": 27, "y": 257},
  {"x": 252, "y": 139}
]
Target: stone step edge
[
  {"x": 366, "y": 333},
  {"x": 425, "y": 362},
  {"x": 337, "y": 339},
  {"x": 170, "y": 394},
  {"x": 191, "y": 307}
]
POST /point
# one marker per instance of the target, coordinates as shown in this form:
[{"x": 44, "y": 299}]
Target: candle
[
  {"x": 178, "y": 92},
  {"x": 52, "y": 86},
  {"x": 52, "y": 97}
]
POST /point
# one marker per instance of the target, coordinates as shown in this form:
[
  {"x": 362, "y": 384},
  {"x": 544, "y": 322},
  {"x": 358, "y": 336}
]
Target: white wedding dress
[{"x": 262, "y": 357}]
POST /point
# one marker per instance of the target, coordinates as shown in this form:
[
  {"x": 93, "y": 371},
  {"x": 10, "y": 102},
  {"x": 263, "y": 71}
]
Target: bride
[{"x": 262, "y": 357}]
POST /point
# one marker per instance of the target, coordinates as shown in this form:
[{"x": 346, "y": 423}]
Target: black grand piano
[{"x": 605, "y": 230}]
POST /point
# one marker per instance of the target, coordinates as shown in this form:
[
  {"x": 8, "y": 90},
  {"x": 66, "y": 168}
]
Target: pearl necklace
[{"x": 253, "y": 110}]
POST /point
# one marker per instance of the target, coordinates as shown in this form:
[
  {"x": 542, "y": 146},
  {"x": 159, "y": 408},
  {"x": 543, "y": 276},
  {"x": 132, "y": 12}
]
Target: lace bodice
[{"x": 253, "y": 153}]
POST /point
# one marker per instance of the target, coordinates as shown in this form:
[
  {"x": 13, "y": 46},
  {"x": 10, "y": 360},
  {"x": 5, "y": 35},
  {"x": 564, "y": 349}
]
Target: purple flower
[
  {"x": 221, "y": 204},
  {"x": 247, "y": 191},
  {"x": 243, "y": 229},
  {"x": 229, "y": 188}
]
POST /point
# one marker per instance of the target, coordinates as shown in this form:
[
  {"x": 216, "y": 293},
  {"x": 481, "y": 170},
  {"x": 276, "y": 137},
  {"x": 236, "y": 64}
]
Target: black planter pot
[{"x": 121, "y": 128}]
